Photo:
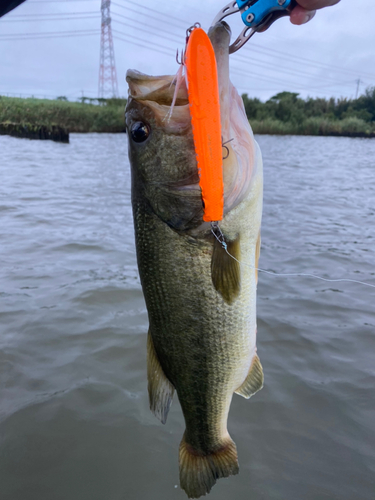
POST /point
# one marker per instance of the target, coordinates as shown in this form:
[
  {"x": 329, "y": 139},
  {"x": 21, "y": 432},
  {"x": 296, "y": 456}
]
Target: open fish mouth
[
  {"x": 241, "y": 153},
  {"x": 158, "y": 89},
  {"x": 157, "y": 92}
]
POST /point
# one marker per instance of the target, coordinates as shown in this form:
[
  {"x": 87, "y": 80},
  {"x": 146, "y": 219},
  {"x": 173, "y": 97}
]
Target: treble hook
[
  {"x": 183, "y": 53},
  {"x": 182, "y": 62}
]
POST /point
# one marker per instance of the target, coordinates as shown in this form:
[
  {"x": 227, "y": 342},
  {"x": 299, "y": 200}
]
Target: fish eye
[{"x": 139, "y": 132}]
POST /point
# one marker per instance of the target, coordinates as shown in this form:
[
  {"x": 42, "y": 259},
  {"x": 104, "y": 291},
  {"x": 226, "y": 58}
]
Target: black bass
[{"x": 201, "y": 300}]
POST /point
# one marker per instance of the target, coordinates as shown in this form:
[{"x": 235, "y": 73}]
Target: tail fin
[{"x": 198, "y": 473}]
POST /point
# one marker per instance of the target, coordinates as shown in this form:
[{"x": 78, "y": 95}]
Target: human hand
[{"x": 306, "y": 10}]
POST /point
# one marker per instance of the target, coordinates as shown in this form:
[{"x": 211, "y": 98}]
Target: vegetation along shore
[
  {"x": 101, "y": 115},
  {"x": 288, "y": 114},
  {"x": 284, "y": 114}
]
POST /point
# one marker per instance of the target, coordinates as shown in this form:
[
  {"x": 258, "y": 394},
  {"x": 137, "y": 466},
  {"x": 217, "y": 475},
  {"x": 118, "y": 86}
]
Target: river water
[{"x": 74, "y": 417}]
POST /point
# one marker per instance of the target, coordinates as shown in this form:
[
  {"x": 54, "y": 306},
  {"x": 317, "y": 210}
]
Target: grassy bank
[
  {"x": 39, "y": 132},
  {"x": 73, "y": 116},
  {"x": 285, "y": 115},
  {"x": 348, "y": 127}
]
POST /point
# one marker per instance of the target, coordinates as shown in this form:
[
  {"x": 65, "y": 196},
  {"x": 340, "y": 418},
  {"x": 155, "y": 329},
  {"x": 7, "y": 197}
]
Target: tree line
[{"x": 288, "y": 107}]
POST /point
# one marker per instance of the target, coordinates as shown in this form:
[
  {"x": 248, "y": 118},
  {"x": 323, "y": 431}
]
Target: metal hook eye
[{"x": 189, "y": 30}]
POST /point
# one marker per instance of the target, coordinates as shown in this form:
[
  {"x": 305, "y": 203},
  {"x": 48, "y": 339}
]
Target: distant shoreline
[
  {"x": 318, "y": 127},
  {"x": 108, "y": 117},
  {"x": 286, "y": 113},
  {"x": 71, "y": 116}
]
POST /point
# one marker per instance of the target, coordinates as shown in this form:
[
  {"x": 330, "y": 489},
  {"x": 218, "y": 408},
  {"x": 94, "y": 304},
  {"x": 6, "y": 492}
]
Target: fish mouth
[
  {"x": 241, "y": 154},
  {"x": 157, "y": 93},
  {"x": 157, "y": 89}
]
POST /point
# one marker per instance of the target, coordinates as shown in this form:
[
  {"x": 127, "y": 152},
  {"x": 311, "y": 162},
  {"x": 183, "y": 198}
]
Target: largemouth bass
[{"x": 201, "y": 299}]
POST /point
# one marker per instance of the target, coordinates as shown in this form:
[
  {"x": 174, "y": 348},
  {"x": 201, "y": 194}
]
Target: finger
[
  {"x": 316, "y": 4},
  {"x": 301, "y": 16}
]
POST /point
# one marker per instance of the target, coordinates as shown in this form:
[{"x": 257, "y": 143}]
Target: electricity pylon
[{"x": 107, "y": 71}]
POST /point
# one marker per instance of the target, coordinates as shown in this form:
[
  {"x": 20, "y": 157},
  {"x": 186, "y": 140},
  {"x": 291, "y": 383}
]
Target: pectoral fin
[
  {"x": 254, "y": 380},
  {"x": 160, "y": 390},
  {"x": 225, "y": 270}
]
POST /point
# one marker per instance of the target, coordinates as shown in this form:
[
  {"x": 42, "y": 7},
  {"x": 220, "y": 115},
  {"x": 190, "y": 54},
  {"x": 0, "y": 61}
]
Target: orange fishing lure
[{"x": 204, "y": 103}]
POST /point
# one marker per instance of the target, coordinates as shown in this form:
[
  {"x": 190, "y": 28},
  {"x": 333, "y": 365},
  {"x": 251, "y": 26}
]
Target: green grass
[
  {"x": 109, "y": 117},
  {"x": 73, "y": 116},
  {"x": 349, "y": 127}
]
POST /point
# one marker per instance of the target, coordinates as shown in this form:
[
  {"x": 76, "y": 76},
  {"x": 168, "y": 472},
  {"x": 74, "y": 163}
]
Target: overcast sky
[{"x": 51, "y": 47}]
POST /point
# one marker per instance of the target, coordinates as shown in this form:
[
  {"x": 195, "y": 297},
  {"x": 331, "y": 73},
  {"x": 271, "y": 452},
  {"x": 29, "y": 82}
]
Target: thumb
[{"x": 299, "y": 15}]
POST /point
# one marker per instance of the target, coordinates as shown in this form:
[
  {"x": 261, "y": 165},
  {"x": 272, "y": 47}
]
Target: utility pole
[
  {"x": 359, "y": 81},
  {"x": 107, "y": 70}
]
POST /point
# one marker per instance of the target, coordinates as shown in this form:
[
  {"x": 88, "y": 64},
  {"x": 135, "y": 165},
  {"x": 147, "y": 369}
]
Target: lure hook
[
  {"x": 188, "y": 33},
  {"x": 182, "y": 61}
]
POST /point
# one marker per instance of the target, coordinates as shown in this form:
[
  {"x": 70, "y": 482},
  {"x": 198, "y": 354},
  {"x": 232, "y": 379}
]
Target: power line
[
  {"x": 165, "y": 51},
  {"x": 175, "y": 39},
  {"x": 148, "y": 45},
  {"x": 52, "y": 34},
  {"x": 271, "y": 78},
  {"x": 266, "y": 64},
  {"x": 168, "y": 17},
  {"x": 57, "y": 1},
  {"x": 283, "y": 55},
  {"x": 291, "y": 71},
  {"x": 145, "y": 46},
  {"x": 157, "y": 12},
  {"x": 46, "y": 33},
  {"x": 285, "y": 85},
  {"x": 46, "y": 37},
  {"x": 280, "y": 54},
  {"x": 168, "y": 51},
  {"x": 262, "y": 63},
  {"x": 52, "y": 19},
  {"x": 51, "y": 14},
  {"x": 332, "y": 67},
  {"x": 171, "y": 35},
  {"x": 237, "y": 70}
]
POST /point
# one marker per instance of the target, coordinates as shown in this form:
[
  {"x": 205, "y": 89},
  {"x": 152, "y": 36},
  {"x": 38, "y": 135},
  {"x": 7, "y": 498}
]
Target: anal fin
[
  {"x": 160, "y": 390},
  {"x": 254, "y": 380}
]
